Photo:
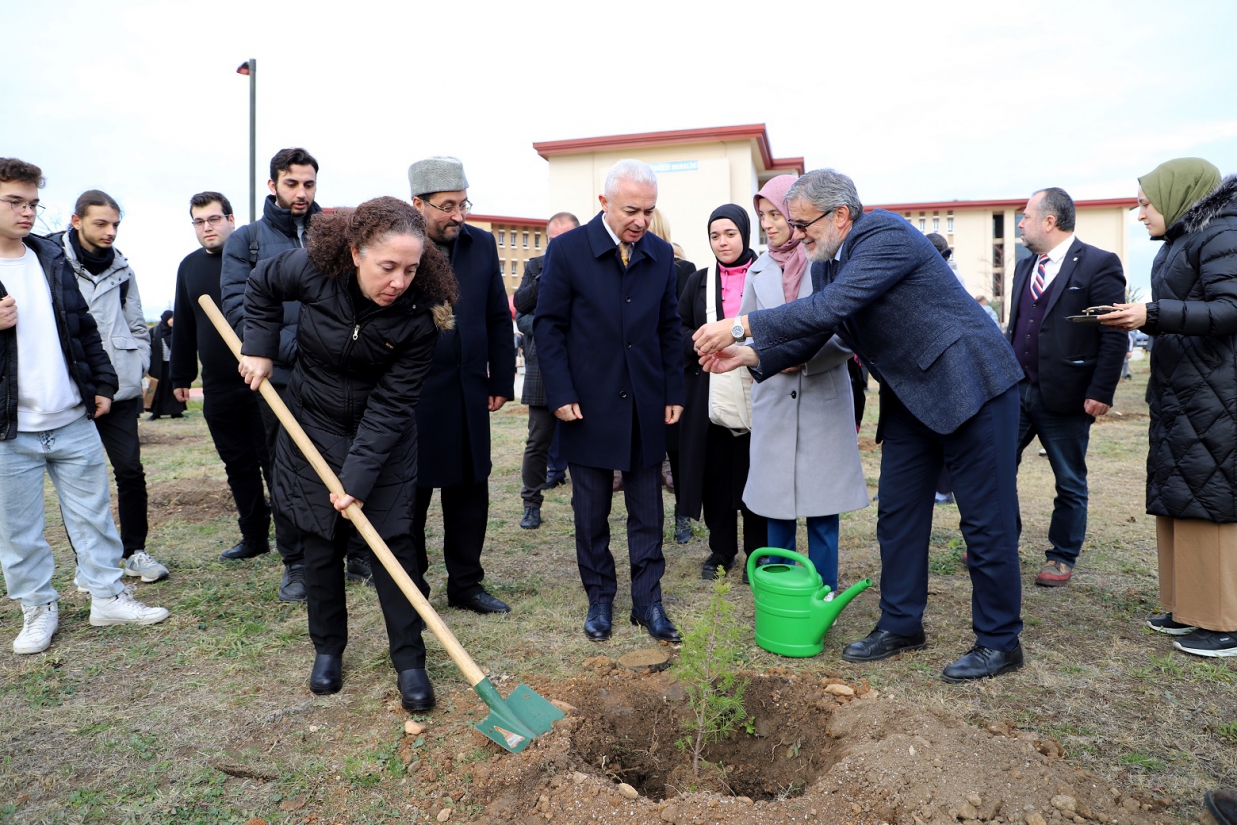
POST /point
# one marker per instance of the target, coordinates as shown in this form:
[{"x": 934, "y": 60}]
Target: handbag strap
[{"x": 710, "y": 297}]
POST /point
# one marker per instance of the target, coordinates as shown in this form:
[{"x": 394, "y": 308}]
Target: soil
[
  {"x": 190, "y": 500},
  {"x": 818, "y": 750}
]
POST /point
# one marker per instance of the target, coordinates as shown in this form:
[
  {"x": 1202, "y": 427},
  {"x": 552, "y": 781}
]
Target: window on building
[
  {"x": 949, "y": 224},
  {"x": 526, "y": 239},
  {"x": 513, "y": 268},
  {"x": 923, "y": 225},
  {"x": 936, "y": 224},
  {"x": 537, "y": 240},
  {"x": 500, "y": 237}
]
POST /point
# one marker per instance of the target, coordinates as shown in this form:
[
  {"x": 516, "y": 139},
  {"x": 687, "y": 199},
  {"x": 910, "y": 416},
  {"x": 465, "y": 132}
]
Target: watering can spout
[{"x": 826, "y": 612}]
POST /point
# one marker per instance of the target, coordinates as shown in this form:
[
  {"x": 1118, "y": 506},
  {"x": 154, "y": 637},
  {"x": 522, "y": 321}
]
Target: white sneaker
[
  {"x": 39, "y": 626},
  {"x": 124, "y": 609},
  {"x": 141, "y": 564}
]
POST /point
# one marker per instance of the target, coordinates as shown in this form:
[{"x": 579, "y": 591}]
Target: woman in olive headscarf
[{"x": 1192, "y": 463}]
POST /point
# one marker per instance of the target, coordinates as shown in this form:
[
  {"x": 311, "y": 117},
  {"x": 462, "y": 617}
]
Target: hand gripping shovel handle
[{"x": 455, "y": 650}]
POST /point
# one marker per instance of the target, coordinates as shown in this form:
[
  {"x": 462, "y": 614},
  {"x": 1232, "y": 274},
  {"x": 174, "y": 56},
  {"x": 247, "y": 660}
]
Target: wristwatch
[{"x": 736, "y": 332}]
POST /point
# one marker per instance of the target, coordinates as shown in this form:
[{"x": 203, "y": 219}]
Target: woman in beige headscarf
[{"x": 1192, "y": 463}]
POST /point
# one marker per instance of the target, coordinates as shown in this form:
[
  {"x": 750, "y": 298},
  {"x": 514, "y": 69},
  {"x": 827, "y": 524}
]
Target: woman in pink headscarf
[{"x": 804, "y": 455}]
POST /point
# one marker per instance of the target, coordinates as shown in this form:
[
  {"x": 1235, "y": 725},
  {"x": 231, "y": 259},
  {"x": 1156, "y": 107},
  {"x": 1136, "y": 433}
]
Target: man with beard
[
  {"x": 471, "y": 376},
  {"x": 284, "y": 223},
  {"x": 949, "y": 397},
  {"x": 229, "y": 407},
  {"x": 107, "y": 282}
]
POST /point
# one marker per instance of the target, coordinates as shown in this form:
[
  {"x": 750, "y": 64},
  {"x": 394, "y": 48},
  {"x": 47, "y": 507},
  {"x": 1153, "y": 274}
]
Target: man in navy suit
[
  {"x": 948, "y": 396},
  {"x": 1071, "y": 369},
  {"x": 608, "y": 338}
]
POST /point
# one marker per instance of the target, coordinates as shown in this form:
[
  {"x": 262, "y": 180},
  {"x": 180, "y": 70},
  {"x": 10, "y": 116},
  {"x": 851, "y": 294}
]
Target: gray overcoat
[{"x": 805, "y": 453}]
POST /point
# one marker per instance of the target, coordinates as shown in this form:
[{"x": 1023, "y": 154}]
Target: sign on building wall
[{"x": 674, "y": 166}]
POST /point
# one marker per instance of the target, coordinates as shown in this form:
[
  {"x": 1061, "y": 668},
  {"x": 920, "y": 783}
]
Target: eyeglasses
[
  {"x": 463, "y": 208},
  {"x": 213, "y": 220},
  {"x": 20, "y": 206},
  {"x": 802, "y": 227}
]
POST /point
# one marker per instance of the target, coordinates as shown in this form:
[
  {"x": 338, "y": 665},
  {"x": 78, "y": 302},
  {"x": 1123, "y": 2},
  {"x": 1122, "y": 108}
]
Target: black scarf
[
  {"x": 96, "y": 263},
  {"x": 738, "y": 215}
]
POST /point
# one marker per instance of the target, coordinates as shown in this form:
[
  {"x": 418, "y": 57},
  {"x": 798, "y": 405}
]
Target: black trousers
[
  {"x": 465, "y": 515},
  {"x": 118, "y": 431},
  {"x": 236, "y": 427},
  {"x": 541, "y": 426},
  {"x": 328, "y": 608},
  {"x": 725, "y": 476},
  {"x": 287, "y": 537}
]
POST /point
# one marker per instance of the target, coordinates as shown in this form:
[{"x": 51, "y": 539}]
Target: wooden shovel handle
[{"x": 436, "y": 625}]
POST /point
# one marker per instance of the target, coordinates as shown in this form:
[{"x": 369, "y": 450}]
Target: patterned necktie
[
  {"x": 1038, "y": 277},
  {"x": 624, "y": 252}
]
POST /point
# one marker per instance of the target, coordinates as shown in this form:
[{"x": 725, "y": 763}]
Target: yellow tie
[{"x": 623, "y": 251}]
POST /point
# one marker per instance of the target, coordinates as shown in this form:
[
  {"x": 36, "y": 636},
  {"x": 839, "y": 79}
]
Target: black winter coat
[
  {"x": 1192, "y": 461},
  {"x": 76, "y": 332},
  {"x": 695, "y": 424},
  {"x": 276, "y": 232},
  {"x": 473, "y": 361},
  {"x": 354, "y": 388}
]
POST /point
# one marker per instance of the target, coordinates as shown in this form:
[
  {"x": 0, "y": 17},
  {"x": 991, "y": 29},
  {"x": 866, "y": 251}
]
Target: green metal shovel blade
[{"x": 515, "y": 721}]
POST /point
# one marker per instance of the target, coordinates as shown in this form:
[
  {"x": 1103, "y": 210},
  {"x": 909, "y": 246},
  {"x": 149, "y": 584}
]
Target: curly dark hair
[
  {"x": 333, "y": 234},
  {"x": 12, "y": 169}
]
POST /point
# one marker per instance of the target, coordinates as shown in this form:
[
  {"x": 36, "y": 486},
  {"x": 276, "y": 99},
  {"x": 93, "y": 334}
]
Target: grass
[{"x": 159, "y": 724}]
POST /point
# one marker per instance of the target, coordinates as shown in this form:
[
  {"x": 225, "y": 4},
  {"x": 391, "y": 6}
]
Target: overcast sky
[{"x": 917, "y": 101}]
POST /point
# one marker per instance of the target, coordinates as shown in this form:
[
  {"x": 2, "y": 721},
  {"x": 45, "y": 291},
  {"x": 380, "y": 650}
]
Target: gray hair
[
  {"x": 826, "y": 189},
  {"x": 1060, "y": 205},
  {"x": 628, "y": 169}
]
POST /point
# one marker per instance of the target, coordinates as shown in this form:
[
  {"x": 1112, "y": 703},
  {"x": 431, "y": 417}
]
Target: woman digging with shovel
[{"x": 373, "y": 296}]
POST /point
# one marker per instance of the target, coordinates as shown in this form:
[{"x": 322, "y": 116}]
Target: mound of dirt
[
  {"x": 193, "y": 500},
  {"x": 817, "y": 750}
]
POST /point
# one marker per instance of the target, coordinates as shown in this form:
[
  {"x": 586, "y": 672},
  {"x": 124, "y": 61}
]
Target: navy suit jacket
[
  {"x": 894, "y": 300},
  {"x": 609, "y": 339},
  {"x": 1076, "y": 361}
]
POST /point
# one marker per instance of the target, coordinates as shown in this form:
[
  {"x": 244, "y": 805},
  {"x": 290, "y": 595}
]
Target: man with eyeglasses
[
  {"x": 229, "y": 407},
  {"x": 108, "y": 284},
  {"x": 471, "y": 376},
  {"x": 54, "y": 377},
  {"x": 949, "y": 396},
  {"x": 285, "y": 220}
]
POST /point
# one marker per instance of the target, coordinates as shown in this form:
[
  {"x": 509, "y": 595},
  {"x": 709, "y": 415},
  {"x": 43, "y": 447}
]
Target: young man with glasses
[
  {"x": 54, "y": 377},
  {"x": 229, "y": 407},
  {"x": 285, "y": 221},
  {"x": 471, "y": 376},
  {"x": 107, "y": 282}
]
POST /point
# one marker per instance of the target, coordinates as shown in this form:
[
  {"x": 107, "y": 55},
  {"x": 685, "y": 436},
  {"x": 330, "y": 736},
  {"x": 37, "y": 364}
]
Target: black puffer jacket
[
  {"x": 358, "y": 375},
  {"x": 1192, "y": 463},
  {"x": 76, "y": 332}
]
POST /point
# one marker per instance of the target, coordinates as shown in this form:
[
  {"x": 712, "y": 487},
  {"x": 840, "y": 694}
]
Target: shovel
[{"x": 513, "y": 722}]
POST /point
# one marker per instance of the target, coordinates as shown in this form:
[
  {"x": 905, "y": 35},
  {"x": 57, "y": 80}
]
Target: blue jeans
[
  {"x": 822, "y": 543},
  {"x": 1065, "y": 439},
  {"x": 73, "y": 456}
]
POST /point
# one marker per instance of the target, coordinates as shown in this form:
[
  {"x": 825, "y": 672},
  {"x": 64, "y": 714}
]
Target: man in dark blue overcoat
[
  {"x": 608, "y": 338},
  {"x": 948, "y": 396}
]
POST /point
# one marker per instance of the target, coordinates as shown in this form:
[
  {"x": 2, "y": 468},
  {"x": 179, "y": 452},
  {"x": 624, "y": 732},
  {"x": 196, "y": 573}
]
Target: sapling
[{"x": 707, "y": 670}]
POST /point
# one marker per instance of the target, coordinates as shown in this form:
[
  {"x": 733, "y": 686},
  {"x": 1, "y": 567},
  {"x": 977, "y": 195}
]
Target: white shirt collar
[
  {"x": 1058, "y": 252},
  {"x": 609, "y": 231}
]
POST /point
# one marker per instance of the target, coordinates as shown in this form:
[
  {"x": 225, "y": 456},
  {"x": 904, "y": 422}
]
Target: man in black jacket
[
  {"x": 285, "y": 220},
  {"x": 1071, "y": 369},
  {"x": 230, "y": 409},
  {"x": 541, "y": 421},
  {"x": 471, "y": 376},
  {"x": 54, "y": 378}
]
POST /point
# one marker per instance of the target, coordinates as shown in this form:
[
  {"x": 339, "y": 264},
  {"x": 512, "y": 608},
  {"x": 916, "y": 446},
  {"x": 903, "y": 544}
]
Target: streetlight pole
[{"x": 250, "y": 68}]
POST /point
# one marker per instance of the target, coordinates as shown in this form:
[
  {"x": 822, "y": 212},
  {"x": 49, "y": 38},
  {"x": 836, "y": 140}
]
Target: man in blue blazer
[
  {"x": 608, "y": 338},
  {"x": 948, "y": 396},
  {"x": 1071, "y": 369}
]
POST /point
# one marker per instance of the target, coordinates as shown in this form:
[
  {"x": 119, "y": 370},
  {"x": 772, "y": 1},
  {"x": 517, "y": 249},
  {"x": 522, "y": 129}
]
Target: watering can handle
[{"x": 778, "y": 552}]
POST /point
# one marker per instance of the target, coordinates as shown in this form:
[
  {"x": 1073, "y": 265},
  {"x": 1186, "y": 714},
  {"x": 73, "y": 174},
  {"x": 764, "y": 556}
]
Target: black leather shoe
[
  {"x": 482, "y": 602},
  {"x": 358, "y": 569},
  {"x": 247, "y": 549},
  {"x": 881, "y": 644},
  {"x": 655, "y": 620},
  {"x": 983, "y": 663},
  {"x": 599, "y": 622},
  {"x": 325, "y": 677},
  {"x": 708, "y": 570},
  {"x": 415, "y": 691},
  {"x": 682, "y": 529},
  {"x": 292, "y": 588},
  {"x": 532, "y": 518}
]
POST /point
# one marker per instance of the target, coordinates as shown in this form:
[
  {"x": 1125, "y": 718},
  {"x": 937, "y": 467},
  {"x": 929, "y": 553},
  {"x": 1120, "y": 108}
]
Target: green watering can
[{"x": 792, "y": 615}]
